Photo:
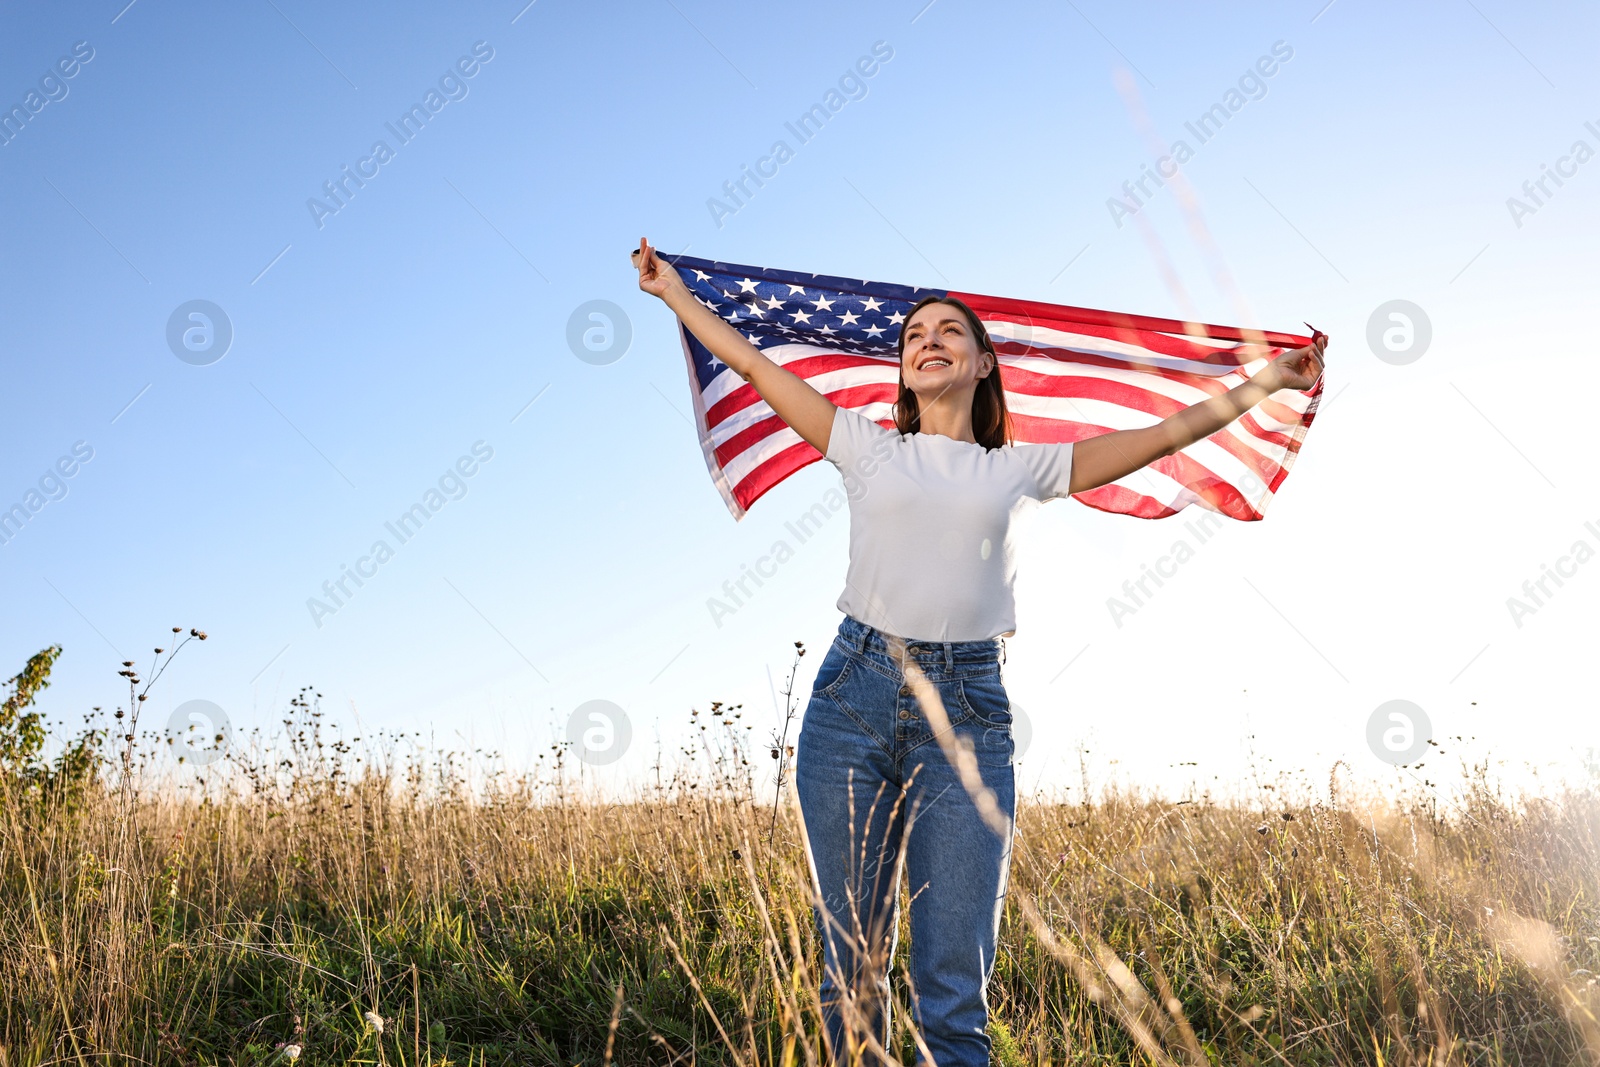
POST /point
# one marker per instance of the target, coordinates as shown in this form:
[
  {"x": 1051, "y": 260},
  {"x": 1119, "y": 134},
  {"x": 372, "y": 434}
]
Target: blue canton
[{"x": 771, "y": 307}]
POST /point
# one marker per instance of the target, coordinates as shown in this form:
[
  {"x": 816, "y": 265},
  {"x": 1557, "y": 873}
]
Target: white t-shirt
[{"x": 932, "y": 555}]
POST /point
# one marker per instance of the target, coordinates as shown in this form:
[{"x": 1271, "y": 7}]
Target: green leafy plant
[{"x": 29, "y": 777}]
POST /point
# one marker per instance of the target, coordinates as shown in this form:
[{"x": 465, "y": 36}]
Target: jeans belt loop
[{"x": 949, "y": 658}]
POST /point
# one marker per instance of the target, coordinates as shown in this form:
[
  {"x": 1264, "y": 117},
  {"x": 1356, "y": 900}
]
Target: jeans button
[
  {"x": 905, "y": 690},
  {"x": 904, "y": 714}
]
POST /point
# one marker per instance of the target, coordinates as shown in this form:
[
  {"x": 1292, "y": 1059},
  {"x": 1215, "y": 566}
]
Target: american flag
[{"x": 1068, "y": 373}]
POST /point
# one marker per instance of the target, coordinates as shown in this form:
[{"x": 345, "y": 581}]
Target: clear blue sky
[{"x": 373, "y": 347}]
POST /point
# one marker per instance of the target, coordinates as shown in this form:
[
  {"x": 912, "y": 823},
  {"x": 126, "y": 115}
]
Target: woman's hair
[{"x": 991, "y": 422}]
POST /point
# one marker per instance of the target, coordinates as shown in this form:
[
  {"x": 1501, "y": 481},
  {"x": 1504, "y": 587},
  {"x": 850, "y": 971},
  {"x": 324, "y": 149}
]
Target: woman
[{"x": 927, "y": 600}]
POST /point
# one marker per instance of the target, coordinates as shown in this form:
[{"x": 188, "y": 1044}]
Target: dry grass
[{"x": 296, "y": 891}]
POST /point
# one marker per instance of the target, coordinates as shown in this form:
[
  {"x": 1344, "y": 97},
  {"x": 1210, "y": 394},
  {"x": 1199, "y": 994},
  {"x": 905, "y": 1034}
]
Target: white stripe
[
  {"x": 741, "y": 466},
  {"x": 1023, "y": 331},
  {"x": 1046, "y": 337},
  {"x": 1182, "y": 392},
  {"x": 727, "y": 379}
]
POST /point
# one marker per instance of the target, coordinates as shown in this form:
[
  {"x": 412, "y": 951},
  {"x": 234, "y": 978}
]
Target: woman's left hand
[{"x": 1300, "y": 368}]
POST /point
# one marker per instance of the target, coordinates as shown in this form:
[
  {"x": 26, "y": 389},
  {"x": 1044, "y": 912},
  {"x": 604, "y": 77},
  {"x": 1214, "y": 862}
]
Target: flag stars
[{"x": 778, "y": 312}]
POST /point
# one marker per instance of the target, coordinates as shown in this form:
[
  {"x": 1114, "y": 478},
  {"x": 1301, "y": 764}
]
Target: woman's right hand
[
  {"x": 794, "y": 400},
  {"x": 656, "y": 275}
]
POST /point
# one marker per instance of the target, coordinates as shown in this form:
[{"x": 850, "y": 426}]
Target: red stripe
[
  {"x": 1000, "y": 306},
  {"x": 754, "y": 486},
  {"x": 1017, "y": 378},
  {"x": 1157, "y": 344},
  {"x": 1078, "y": 357},
  {"x": 1261, "y": 433},
  {"x": 1123, "y": 501},
  {"x": 806, "y": 367}
]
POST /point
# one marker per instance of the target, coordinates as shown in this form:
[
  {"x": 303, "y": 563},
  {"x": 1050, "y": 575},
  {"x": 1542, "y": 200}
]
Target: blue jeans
[{"x": 875, "y": 788}]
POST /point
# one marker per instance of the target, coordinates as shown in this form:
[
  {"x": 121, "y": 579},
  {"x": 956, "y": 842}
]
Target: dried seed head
[{"x": 375, "y": 1021}]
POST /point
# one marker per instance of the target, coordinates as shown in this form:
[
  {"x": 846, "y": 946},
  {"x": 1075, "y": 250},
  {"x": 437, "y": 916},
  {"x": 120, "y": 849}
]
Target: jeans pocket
[
  {"x": 985, "y": 697},
  {"x": 834, "y": 670}
]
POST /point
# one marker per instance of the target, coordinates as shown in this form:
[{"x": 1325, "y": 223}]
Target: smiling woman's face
[{"x": 941, "y": 353}]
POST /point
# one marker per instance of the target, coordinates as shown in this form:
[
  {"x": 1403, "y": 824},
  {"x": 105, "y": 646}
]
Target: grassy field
[{"x": 373, "y": 901}]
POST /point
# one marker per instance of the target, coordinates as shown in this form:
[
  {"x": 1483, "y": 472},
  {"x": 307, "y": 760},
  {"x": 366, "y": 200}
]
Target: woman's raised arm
[
  {"x": 807, "y": 412},
  {"x": 1102, "y": 459}
]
